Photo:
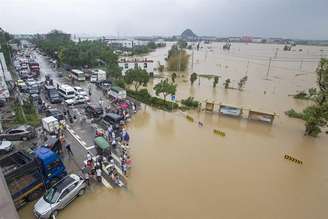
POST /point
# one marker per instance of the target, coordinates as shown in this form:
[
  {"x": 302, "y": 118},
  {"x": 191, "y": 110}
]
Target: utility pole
[
  {"x": 276, "y": 53},
  {"x": 247, "y": 68},
  {"x": 267, "y": 74},
  {"x": 301, "y": 65},
  {"x": 192, "y": 59},
  {"x": 179, "y": 66}
]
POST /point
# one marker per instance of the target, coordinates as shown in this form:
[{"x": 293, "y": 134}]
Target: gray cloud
[{"x": 268, "y": 18}]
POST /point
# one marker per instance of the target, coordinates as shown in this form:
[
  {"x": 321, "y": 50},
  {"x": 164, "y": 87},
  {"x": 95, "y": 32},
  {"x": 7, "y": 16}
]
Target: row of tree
[
  {"x": 139, "y": 77},
  {"x": 59, "y": 45},
  {"x": 5, "y": 37},
  {"x": 316, "y": 115}
]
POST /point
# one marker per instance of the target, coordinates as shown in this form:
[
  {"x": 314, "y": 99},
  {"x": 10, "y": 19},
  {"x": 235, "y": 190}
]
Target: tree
[
  {"x": 316, "y": 116},
  {"x": 137, "y": 77},
  {"x": 227, "y": 83},
  {"x": 173, "y": 77},
  {"x": 165, "y": 88},
  {"x": 177, "y": 59},
  {"x": 216, "y": 81},
  {"x": 322, "y": 74},
  {"x": 193, "y": 78}
]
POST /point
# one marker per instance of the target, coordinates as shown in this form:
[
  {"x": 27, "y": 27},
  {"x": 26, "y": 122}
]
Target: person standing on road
[
  {"x": 109, "y": 132},
  {"x": 89, "y": 88},
  {"x": 98, "y": 174},
  {"x": 69, "y": 150},
  {"x": 89, "y": 158},
  {"x": 85, "y": 172},
  {"x": 126, "y": 138}
]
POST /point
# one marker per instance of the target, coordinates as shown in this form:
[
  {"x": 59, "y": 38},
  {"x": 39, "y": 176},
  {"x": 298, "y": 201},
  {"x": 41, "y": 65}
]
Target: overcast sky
[{"x": 305, "y": 19}]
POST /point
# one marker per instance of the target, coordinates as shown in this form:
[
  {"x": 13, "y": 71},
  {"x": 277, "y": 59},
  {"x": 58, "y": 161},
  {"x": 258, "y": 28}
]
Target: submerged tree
[
  {"x": 166, "y": 88},
  {"x": 193, "y": 78},
  {"x": 316, "y": 116},
  {"x": 216, "y": 81},
  {"x": 227, "y": 83},
  {"x": 137, "y": 77},
  {"x": 173, "y": 77}
]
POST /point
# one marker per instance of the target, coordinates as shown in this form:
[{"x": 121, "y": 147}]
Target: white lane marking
[
  {"x": 106, "y": 183},
  {"x": 116, "y": 158},
  {"x": 91, "y": 147}
]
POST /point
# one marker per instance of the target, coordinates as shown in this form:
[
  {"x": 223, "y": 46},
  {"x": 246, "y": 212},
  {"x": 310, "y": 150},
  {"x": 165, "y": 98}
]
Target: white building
[
  {"x": 127, "y": 43},
  {"x": 127, "y": 64}
]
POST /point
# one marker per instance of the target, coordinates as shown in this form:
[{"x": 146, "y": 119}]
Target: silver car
[{"x": 59, "y": 195}]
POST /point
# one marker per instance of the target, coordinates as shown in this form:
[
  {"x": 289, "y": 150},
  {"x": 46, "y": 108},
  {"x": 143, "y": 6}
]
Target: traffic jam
[{"x": 82, "y": 141}]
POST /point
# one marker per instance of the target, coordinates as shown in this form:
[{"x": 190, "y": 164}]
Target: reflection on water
[{"x": 182, "y": 170}]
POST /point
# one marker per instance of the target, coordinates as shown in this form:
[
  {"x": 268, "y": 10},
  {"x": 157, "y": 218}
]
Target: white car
[
  {"x": 30, "y": 81},
  {"x": 6, "y": 146},
  {"x": 80, "y": 91},
  {"x": 79, "y": 99}
]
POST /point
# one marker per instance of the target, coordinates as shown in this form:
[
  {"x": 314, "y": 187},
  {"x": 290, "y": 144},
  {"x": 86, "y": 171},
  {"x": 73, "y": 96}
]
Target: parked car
[
  {"x": 22, "y": 86},
  {"x": 33, "y": 89},
  {"x": 106, "y": 84},
  {"x": 77, "y": 100},
  {"x": 112, "y": 119},
  {"x": 30, "y": 81},
  {"x": 2, "y": 102},
  {"x": 80, "y": 91},
  {"x": 6, "y": 146},
  {"x": 58, "y": 196},
  {"x": 52, "y": 94},
  {"x": 93, "y": 110},
  {"x": 55, "y": 113},
  {"x": 23, "y": 132}
]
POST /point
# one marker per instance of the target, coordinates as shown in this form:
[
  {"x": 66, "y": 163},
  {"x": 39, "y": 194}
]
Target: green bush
[
  {"x": 144, "y": 96},
  {"x": 190, "y": 102},
  {"x": 301, "y": 95},
  {"x": 120, "y": 83},
  {"x": 293, "y": 114}
]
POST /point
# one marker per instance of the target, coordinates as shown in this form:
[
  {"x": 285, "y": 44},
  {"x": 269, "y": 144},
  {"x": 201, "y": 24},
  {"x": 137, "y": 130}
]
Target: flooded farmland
[{"x": 182, "y": 170}]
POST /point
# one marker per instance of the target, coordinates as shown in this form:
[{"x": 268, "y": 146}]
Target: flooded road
[{"x": 181, "y": 170}]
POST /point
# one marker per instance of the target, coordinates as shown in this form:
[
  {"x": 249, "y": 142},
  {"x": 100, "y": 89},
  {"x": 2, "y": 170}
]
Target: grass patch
[{"x": 26, "y": 114}]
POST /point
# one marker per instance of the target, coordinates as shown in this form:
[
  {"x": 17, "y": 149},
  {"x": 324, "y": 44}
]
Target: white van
[
  {"x": 117, "y": 92},
  {"x": 66, "y": 91}
]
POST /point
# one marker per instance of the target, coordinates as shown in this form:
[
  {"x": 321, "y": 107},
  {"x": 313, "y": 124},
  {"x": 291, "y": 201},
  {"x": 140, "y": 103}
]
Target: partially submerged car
[{"x": 59, "y": 196}]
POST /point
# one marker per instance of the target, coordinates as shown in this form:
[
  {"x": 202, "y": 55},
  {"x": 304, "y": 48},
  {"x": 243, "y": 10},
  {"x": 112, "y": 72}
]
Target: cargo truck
[{"x": 29, "y": 174}]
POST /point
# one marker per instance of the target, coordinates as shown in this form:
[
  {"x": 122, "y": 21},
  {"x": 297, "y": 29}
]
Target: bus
[{"x": 78, "y": 74}]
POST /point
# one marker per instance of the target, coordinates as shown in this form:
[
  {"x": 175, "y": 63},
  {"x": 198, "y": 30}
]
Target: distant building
[
  {"x": 126, "y": 43},
  {"x": 246, "y": 39},
  {"x": 127, "y": 64},
  {"x": 234, "y": 39},
  {"x": 258, "y": 40}
]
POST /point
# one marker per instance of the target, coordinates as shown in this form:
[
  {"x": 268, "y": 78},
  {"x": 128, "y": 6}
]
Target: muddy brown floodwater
[{"x": 185, "y": 171}]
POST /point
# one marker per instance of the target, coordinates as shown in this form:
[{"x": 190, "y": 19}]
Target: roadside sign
[{"x": 173, "y": 97}]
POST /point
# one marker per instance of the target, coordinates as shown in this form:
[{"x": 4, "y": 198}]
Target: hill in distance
[{"x": 188, "y": 34}]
